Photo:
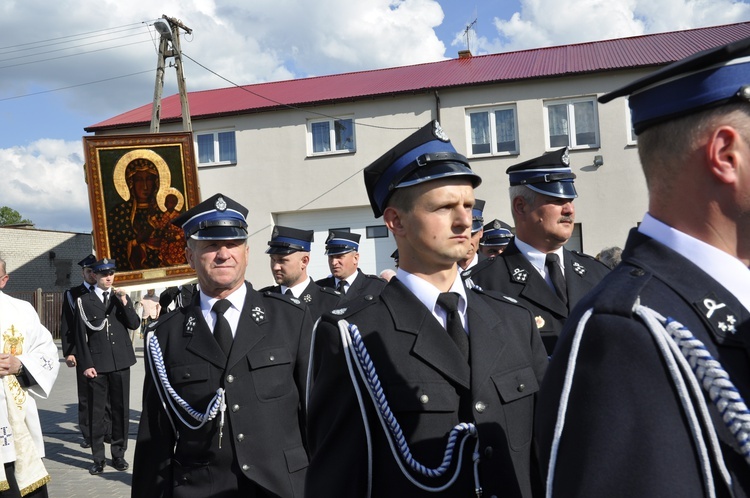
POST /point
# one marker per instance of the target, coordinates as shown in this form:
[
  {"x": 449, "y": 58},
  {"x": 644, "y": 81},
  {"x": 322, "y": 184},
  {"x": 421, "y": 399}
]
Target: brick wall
[{"x": 43, "y": 259}]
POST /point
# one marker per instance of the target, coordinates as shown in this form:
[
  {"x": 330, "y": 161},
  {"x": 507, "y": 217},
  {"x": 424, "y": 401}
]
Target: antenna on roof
[{"x": 466, "y": 33}]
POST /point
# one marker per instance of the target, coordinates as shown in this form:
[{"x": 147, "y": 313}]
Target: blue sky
[{"x": 64, "y": 66}]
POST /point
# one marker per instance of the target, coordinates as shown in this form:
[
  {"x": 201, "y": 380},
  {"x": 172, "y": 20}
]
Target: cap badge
[
  {"x": 565, "y": 158},
  {"x": 105, "y": 261},
  {"x": 440, "y": 134},
  {"x": 520, "y": 275},
  {"x": 579, "y": 268},
  {"x": 221, "y": 204},
  {"x": 258, "y": 314}
]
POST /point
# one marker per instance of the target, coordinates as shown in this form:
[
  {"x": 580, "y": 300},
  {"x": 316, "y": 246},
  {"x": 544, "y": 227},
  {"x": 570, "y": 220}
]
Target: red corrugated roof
[{"x": 622, "y": 53}]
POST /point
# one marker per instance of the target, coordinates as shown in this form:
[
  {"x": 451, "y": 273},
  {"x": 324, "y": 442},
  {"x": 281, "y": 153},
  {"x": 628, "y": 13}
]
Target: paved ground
[{"x": 68, "y": 463}]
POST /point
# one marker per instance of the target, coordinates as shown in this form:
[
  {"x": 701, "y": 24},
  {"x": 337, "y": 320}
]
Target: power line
[
  {"x": 75, "y": 46},
  {"x": 75, "y": 86},
  {"x": 73, "y": 36},
  {"x": 72, "y": 55},
  {"x": 52, "y": 43}
]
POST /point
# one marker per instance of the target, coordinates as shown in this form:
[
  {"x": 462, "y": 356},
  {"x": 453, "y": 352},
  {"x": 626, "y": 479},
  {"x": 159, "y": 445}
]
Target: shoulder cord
[
  {"x": 86, "y": 320},
  {"x": 352, "y": 340},
  {"x": 676, "y": 343},
  {"x": 217, "y": 404}
]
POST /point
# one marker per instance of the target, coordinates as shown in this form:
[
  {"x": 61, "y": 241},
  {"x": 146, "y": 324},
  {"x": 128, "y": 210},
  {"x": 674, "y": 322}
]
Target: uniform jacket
[
  {"x": 425, "y": 380},
  {"x": 181, "y": 296},
  {"x": 68, "y": 318},
  {"x": 264, "y": 378},
  {"x": 109, "y": 349},
  {"x": 513, "y": 275},
  {"x": 363, "y": 285},
  {"x": 318, "y": 299},
  {"x": 625, "y": 432}
]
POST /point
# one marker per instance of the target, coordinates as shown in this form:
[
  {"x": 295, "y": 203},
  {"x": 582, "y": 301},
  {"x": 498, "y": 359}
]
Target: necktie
[
  {"x": 555, "y": 274},
  {"x": 222, "y": 330},
  {"x": 288, "y": 292},
  {"x": 105, "y": 299},
  {"x": 449, "y": 302},
  {"x": 341, "y": 287}
]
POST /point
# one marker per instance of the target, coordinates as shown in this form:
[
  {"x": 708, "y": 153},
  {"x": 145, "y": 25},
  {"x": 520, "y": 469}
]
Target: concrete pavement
[{"x": 68, "y": 463}]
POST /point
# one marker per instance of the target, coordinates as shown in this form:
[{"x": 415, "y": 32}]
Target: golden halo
[
  {"x": 165, "y": 177},
  {"x": 162, "y": 195}
]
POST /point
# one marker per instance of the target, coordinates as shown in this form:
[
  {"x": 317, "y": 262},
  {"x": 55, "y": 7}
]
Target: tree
[{"x": 9, "y": 216}]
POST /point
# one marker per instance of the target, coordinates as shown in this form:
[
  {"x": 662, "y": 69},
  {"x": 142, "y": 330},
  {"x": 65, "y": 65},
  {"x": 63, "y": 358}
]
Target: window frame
[
  {"x": 631, "y": 137},
  {"x": 570, "y": 102},
  {"x": 217, "y": 151},
  {"x": 332, "y": 136},
  {"x": 490, "y": 111}
]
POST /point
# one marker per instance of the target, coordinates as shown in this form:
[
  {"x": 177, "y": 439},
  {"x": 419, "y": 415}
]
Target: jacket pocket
[
  {"x": 272, "y": 372},
  {"x": 516, "y": 389}
]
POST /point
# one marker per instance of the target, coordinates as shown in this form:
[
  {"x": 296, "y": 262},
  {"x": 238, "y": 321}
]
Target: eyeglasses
[{"x": 105, "y": 272}]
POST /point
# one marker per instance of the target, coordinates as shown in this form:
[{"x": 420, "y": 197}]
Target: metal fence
[{"x": 48, "y": 305}]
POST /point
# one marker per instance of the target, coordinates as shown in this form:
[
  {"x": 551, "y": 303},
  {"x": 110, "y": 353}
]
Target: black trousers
[
  {"x": 112, "y": 388},
  {"x": 83, "y": 407},
  {"x": 14, "y": 492}
]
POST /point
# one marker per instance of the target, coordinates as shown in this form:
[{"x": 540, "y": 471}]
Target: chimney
[{"x": 464, "y": 54}]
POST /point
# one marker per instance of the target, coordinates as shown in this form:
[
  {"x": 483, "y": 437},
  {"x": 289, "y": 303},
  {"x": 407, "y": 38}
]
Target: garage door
[{"x": 375, "y": 245}]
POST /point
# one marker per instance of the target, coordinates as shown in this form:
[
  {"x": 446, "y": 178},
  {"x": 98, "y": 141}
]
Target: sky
[{"x": 70, "y": 64}]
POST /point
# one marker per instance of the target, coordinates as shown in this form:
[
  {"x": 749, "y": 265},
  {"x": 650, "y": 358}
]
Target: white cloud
[
  {"x": 44, "y": 182},
  {"x": 558, "y": 22}
]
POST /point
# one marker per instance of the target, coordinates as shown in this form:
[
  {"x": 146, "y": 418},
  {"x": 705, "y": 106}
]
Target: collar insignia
[
  {"x": 307, "y": 298},
  {"x": 722, "y": 319},
  {"x": 294, "y": 300},
  {"x": 339, "y": 311},
  {"x": 258, "y": 314},
  {"x": 190, "y": 325},
  {"x": 579, "y": 268},
  {"x": 520, "y": 275}
]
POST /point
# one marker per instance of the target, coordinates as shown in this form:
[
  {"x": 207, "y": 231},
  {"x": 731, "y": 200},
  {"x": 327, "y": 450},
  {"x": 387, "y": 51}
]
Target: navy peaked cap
[
  {"x": 425, "y": 155},
  {"x": 216, "y": 218},
  {"x": 701, "y": 81},
  {"x": 548, "y": 174},
  {"x": 87, "y": 261},
  {"x": 477, "y": 218},
  {"x": 341, "y": 242},
  {"x": 496, "y": 233},
  {"x": 286, "y": 240},
  {"x": 103, "y": 265}
]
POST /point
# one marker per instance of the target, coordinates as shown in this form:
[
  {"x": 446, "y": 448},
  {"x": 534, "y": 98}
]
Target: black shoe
[
  {"x": 97, "y": 468},
  {"x": 120, "y": 464},
  {"x": 86, "y": 444}
]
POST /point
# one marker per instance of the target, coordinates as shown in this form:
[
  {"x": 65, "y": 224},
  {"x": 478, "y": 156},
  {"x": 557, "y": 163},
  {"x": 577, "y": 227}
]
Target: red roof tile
[{"x": 622, "y": 53}]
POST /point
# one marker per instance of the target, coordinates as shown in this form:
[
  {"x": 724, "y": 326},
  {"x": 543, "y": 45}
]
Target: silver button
[
  {"x": 246, "y": 467},
  {"x": 521, "y": 387},
  {"x": 272, "y": 358},
  {"x": 424, "y": 399},
  {"x": 240, "y": 437},
  {"x": 480, "y": 406},
  {"x": 230, "y": 378},
  {"x": 235, "y": 408}
]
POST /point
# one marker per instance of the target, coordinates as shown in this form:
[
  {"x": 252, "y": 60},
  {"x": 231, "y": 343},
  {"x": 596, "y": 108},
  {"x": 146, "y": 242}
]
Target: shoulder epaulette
[
  {"x": 374, "y": 277},
  {"x": 268, "y": 288},
  {"x": 329, "y": 290},
  {"x": 620, "y": 293},
  {"x": 350, "y": 307},
  {"x": 281, "y": 297},
  {"x": 497, "y": 296}
]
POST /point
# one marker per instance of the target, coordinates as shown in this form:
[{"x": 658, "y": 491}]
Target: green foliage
[{"x": 9, "y": 216}]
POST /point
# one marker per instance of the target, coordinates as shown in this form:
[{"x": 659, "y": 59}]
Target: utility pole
[{"x": 169, "y": 31}]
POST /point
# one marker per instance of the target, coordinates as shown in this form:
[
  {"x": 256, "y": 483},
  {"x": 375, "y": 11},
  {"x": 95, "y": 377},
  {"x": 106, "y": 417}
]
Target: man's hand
[
  {"x": 9, "y": 365},
  {"x": 89, "y": 373},
  {"x": 70, "y": 360}
]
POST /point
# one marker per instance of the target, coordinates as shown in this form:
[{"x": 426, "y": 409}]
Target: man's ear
[
  {"x": 518, "y": 204},
  {"x": 306, "y": 260},
  {"x": 725, "y": 153},
  {"x": 392, "y": 220},
  {"x": 189, "y": 256}
]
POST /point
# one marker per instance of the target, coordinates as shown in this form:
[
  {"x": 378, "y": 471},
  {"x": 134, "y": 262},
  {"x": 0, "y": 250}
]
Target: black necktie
[
  {"x": 341, "y": 287},
  {"x": 555, "y": 274},
  {"x": 105, "y": 300},
  {"x": 288, "y": 292},
  {"x": 449, "y": 302},
  {"x": 222, "y": 330}
]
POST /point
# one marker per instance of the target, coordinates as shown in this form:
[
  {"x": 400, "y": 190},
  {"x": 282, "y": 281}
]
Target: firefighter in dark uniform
[
  {"x": 495, "y": 238},
  {"x": 289, "y": 252},
  {"x": 68, "y": 340},
  {"x": 535, "y": 268},
  {"x": 638, "y": 420},
  {"x": 105, "y": 354},
  {"x": 225, "y": 377},
  {"x": 342, "y": 248},
  {"x": 477, "y": 230},
  {"x": 443, "y": 354}
]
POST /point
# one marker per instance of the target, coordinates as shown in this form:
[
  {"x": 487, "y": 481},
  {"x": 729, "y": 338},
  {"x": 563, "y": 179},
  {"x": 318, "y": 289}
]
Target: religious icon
[{"x": 137, "y": 185}]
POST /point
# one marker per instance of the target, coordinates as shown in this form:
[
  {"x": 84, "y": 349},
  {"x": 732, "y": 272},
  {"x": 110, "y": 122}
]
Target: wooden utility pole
[{"x": 169, "y": 30}]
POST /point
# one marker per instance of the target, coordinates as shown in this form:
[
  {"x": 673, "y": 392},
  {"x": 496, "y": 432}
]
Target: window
[
  {"x": 217, "y": 147},
  {"x": 632, "y": 138},
  {"x": 493, "y": 131},
  {"x": 331, "y": 136},
  {"x": 575, "y": 242},
  {"x": 573, "y": 123},
  {"x": 377, "y": 232}
]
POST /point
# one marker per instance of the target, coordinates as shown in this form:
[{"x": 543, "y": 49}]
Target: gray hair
[
  {"x": 528, "y": 195},
  {"x": 610, "y": 256}
]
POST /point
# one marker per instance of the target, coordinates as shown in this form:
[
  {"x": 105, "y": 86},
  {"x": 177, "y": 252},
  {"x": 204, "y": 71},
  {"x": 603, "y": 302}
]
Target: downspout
[{"x": 437, "y": 106}]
